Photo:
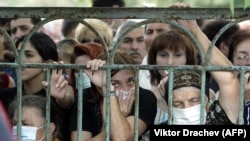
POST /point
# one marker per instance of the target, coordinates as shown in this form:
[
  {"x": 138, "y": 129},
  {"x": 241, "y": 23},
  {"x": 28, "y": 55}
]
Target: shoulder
[
  {"x": 146, "y": 94},
  {"x": 145, "y": 91},
  {"x": 8, "y": 90}
]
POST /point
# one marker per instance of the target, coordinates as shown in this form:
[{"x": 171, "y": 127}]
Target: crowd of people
[{"x": 151, "y": 44}]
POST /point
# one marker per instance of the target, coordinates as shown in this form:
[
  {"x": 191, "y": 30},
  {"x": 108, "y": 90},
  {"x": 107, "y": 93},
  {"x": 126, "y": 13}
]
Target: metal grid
[{"x": 152, "y": 15}]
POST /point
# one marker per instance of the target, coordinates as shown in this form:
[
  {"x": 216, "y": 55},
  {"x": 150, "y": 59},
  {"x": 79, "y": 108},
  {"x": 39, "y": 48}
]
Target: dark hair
[
  {"x": 123, "y": 27},
  {"x": 236, "y": 39},
  {"x": 121, "y": 57},
  {"x": 67, "y": 26},
  {"x": 45, "y": 46},
  {"x": 212, "y": 28},
  {"x": 174, "y": 41},
  {"x": 34, "y": 21},
  {"x": 108, "y": 3},
  {"x": 5, "y": 22},
  {"x": 39, "y": 103}
]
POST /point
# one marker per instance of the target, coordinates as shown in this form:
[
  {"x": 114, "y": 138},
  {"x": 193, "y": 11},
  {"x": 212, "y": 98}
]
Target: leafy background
[{"x": 129, "y": 3}]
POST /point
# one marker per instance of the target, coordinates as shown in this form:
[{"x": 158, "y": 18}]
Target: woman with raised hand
[
  {"x": 122, "y": 103},
  {"x": 187, "y": 92},
  {"x": 41, "y": 49}
]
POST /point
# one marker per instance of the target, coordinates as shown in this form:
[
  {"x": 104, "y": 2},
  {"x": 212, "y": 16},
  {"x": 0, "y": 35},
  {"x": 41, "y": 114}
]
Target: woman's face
[
  {"x": 242, "y": 52},
  {"x": 186, "y": 97},
  {"x": 31, "y": 56},
  {"x": 123, "y": 80},
  {"x": 31, "y": 116},
  {"x": 83, "y": 59},
  {"x": 167, "y": 57}
]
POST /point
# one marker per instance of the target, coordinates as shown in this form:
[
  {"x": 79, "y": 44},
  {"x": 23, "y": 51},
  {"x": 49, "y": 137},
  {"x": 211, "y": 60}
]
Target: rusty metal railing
[{"x": 151, "y": 15}]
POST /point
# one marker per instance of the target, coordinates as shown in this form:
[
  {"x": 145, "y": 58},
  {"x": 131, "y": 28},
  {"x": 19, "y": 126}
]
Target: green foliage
[
  {"x": 246, "y": 3},
  {"x": 234, "y": 3},
  {"x": 231, "y": 3}
]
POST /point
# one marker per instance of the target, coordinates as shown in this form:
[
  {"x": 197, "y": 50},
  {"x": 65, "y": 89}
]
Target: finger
[
  {"x": 88, "y": 72},
  {"x": 102, "y": 63},
  {"x": 60, "y": 71},
  {"x": 90, "y": 64},
  {"x": 131, "y": 95},
  {"x": 160, "y": 87},
  {"x": 247, "y": 75},
  {"x": 63, "y": 84},
  {"x": 120, "y": 97},
  {"x": 59, "y": 82},
  {"x": 54, "y": 72},
  {"x": 160, "y": 90},
  {"x": 45, "y": 84},
  {"x": 93, "y": 64},
  {"x": 98, "y": 64}
]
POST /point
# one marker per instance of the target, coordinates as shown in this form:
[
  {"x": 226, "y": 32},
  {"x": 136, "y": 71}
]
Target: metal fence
[{"x": 150, "y": 15}]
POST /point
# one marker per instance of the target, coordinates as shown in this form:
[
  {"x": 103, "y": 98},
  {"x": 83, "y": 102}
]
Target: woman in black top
[{"x": 121, "y": 103}]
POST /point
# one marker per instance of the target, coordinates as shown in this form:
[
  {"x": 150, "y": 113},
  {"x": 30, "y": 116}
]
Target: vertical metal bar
[
  {"x": 137, "y": 100},
  {"x": 19, "y": 102},
  {"x": 107, "y": 107},
  {"x": 48, "y": 101},
  {"x": 79, "y": 105},
  {"x": 203, "y": 94},
  {"x": 242, "y": 102},
  {"x": 170, "y": 95}
]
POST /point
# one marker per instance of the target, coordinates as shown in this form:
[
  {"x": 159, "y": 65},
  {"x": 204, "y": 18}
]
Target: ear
[
  {"x": 224, "y": 48},
  {"x": 52, "y": 128}
]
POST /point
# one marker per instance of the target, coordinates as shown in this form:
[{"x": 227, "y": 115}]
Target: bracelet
[{"x": 112, "y": 93}]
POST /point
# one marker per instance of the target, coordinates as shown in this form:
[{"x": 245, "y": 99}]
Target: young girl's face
[
  {"x": 31, "y": 55},
  {"x": 123, "y": 80}
]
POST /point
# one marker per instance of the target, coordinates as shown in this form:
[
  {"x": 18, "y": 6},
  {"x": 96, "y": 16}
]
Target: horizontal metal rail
[{"x": 167, "y": 15}]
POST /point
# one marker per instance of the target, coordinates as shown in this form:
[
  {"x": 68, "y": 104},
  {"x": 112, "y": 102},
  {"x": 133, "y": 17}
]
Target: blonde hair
[{"x": 100, "y": 26}]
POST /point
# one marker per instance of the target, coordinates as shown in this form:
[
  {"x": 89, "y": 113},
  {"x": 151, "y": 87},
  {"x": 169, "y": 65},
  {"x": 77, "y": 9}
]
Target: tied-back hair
[
  {"x": 173, "y": 41},
  {"x": 120, "y": 57},
  {"x": 44, "y": 45}
]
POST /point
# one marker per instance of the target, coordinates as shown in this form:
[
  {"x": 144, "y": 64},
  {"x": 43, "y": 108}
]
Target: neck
[{"x": 34, "y": 85}]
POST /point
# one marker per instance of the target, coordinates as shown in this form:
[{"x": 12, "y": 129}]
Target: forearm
[
  {"x": 100, "y": 137},
  {"x": 120, "y": 127},
  {"x": 217, "y": 59},
  {"x": 68, "y": 99}
]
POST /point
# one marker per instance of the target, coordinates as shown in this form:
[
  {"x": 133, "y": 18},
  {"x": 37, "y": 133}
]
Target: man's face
[
  {"x": 134, "y": 44},
  {"x": 19, "y": 27},
  {"x": 153, "y": 30}
]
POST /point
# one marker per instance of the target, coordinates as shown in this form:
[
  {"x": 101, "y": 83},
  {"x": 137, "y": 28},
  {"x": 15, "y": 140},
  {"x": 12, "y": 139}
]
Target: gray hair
[{"x": 122, "y": 28}]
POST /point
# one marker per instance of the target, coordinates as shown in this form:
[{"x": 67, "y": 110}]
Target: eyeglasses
[{"x": 242, "y": 59}]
